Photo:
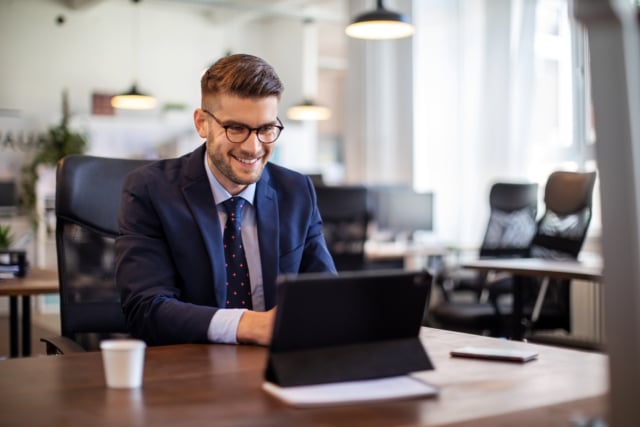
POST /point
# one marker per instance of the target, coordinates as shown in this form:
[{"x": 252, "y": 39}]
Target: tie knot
[{"x": 234, "y": 206}]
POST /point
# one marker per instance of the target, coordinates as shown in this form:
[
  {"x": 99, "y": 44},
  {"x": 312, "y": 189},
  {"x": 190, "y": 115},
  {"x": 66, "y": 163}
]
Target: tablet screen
[{"x": 319, "y": 310}]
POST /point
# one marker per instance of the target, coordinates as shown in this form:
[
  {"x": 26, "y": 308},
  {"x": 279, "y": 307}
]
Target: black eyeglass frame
[{"x": 279, "y": 126}]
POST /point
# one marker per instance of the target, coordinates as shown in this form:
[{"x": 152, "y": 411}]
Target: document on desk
[{"x": 351, "y": 392}]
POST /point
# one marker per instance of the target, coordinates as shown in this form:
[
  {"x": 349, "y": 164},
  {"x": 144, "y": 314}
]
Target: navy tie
[{"x": 238, "y": 284}]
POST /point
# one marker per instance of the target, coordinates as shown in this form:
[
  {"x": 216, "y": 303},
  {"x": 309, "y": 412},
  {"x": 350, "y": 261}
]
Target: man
[{"x": 171, "y": 263}]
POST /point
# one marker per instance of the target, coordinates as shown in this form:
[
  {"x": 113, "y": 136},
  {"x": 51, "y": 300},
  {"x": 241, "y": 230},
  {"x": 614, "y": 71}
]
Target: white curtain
[{"x": 473, "y": 77}]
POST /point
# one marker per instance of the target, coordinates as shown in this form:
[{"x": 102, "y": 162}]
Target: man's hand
[{"x": 256, "y": 327}]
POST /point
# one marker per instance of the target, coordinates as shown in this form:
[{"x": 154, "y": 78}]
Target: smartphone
[{"x": 494, "y": 353}]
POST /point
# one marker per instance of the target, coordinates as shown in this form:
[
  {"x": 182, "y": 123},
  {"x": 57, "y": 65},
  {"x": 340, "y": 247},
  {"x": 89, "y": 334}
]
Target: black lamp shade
[
  {"x": 381, "y": 15},
  {"x": 380, "y": 24}
]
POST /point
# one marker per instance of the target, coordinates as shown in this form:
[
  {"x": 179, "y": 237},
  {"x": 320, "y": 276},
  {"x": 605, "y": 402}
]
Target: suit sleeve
[{"x": 150, "y": 285}]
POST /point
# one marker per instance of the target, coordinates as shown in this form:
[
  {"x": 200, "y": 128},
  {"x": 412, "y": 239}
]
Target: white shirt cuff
[{"x": 223, "y": 328}]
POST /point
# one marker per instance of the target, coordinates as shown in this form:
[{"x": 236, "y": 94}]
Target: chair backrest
[
  {"x": 345, "y": 215},
  {"x": 562, "y": 229},
  {"x": 560, "y": 234},
  {"x": 88, "y": 191},
  {"x": 512, "y": 220}
]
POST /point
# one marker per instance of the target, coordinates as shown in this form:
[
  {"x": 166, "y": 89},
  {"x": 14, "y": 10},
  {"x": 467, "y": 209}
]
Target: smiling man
[{"x": 204, "y": 237}]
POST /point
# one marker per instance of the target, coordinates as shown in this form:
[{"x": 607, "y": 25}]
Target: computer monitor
[
  {"x": 342, "y": 202},
  {"x": 8, "y": 198},
  {"x": 401, "y": 210},
  {"x": 345, "y": 223}
]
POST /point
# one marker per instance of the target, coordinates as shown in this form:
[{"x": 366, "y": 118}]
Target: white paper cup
[{"x": 123, "y": 361}]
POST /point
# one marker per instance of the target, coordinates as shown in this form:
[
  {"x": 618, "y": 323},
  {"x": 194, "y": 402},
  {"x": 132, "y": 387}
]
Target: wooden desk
[
  {"x": 202, "y": 385},
  {"x": 37, "y": 282},
  {"x": 413, "y": 255},
  {"x": 536, "y": 267}
]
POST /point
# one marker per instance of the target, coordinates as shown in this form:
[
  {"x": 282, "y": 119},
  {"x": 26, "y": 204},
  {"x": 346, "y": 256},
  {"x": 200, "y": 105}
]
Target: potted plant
[
  {"x": 57, "y": 143},
  {"x": 6, "y": 237}
]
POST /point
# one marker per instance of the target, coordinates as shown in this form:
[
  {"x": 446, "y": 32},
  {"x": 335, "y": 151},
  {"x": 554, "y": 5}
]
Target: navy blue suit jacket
[{"x": 169, "y": 256}]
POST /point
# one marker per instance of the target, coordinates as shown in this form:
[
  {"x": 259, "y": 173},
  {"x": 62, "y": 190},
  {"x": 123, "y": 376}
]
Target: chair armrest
[{"x": 61, "y": 345}]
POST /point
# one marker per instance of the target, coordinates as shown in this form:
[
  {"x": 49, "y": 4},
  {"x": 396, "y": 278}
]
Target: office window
[
  {"x": 562, "y": 126},
  {"x": 501, "y": 94},
  {"x": 562, "y": 122}
]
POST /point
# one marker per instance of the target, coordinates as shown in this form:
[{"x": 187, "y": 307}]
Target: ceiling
[
  {"x": 320, "y": 10},
  {"x": 331, "y": 16}
]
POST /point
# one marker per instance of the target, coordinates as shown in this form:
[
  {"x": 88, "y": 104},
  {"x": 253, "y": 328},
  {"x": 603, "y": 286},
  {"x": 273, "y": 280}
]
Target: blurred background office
[{"x": 484, "y": 91}]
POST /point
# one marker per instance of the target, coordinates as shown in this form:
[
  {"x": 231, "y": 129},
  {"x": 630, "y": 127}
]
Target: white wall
[{"x": 95, "y": 50}]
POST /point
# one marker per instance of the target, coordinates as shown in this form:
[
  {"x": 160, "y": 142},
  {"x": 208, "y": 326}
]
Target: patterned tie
[{"x": 238, "y": 284}]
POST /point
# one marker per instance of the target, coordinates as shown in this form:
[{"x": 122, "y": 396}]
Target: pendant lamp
[
  {"x": 380, "y": 24},
  {"x": 308, "y": 110},
  {"x": 133, "y": 99}
]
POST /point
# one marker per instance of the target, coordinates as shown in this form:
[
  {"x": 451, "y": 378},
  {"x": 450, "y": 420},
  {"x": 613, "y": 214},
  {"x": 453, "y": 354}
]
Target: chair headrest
[
  {"x": 510, "y": 197},
  {"x": 88, "y": 190},
  {"x": 569, "y": 192}
]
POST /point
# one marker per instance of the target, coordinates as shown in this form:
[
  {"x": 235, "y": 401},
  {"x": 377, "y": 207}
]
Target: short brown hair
[{"x": 243, "y": 75}]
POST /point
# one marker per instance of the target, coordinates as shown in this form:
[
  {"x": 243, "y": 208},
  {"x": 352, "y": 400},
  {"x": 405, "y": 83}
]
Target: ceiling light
[
  {"x": 308, "y": 110},
  {"x": 380, "y": 24},
  {"x": 133, "y": 100}
]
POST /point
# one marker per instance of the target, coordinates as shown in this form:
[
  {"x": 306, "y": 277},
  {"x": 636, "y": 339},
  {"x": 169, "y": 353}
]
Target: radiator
[
  {"x": 587, "y": 319},
  {"x": 587, "y": 311}
]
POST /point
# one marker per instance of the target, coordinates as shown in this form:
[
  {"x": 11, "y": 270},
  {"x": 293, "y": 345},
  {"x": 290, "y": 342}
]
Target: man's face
[{"x": 236, "y": 165}]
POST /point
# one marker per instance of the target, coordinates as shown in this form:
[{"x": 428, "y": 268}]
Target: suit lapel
[
  {"x": 197, "y": 193},
  {"x": 267, "y": 218}
]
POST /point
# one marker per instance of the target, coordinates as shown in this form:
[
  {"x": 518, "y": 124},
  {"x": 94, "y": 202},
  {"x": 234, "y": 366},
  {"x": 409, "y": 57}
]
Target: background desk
[
  {"x": 37, "y": 282},
  {"x": 411, "y": 255},
  {"x": 206, "y": 385},
  {"x": 535, "y": 267}
]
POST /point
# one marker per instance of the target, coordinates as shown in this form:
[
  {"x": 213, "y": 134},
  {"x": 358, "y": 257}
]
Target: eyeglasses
[{"x": 239, "y": 133}]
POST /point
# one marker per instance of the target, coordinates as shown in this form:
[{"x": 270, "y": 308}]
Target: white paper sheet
[{"x": 350, "y": 392}]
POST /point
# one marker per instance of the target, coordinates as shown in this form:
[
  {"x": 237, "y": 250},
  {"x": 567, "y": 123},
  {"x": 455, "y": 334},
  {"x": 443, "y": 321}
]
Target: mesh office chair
[
  {"x": 471, "y": 300},
  {"x": 560, "y": 234},
  {"x": 87, "y": 201},
  {"x": 345, "y": 216}
]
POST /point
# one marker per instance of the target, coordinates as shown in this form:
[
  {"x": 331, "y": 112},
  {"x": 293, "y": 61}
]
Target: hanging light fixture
[
  {"x": 380, "y": 24},
  {"x": 134, "y": 99},
  {"x": 308, "y": 110}
]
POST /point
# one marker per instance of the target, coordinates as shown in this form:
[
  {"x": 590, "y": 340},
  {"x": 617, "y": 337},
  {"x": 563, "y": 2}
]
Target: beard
[{"x": 223, "y": 163}]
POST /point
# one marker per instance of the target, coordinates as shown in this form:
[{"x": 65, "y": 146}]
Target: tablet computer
[{"x": 351, "y": 326}]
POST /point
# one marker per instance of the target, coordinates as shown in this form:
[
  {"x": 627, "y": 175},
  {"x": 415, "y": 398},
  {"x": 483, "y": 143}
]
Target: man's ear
[{"x": 200, "y": 121}]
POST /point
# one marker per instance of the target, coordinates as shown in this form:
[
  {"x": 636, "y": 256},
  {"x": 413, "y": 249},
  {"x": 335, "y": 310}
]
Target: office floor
[{"x": 43, "y": 325}]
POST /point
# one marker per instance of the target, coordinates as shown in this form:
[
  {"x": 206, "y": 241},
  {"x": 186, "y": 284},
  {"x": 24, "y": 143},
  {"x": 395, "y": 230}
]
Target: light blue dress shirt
[{"x": 224, "y": 324}]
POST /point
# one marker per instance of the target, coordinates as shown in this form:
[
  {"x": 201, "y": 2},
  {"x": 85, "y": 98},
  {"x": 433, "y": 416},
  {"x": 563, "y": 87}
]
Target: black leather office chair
[
  {"x": 471, "y": 300},
  {"x": 560, "y": 234},
  {"x": 345, "y": 214},
  {"x": 88, "y": 193}
]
